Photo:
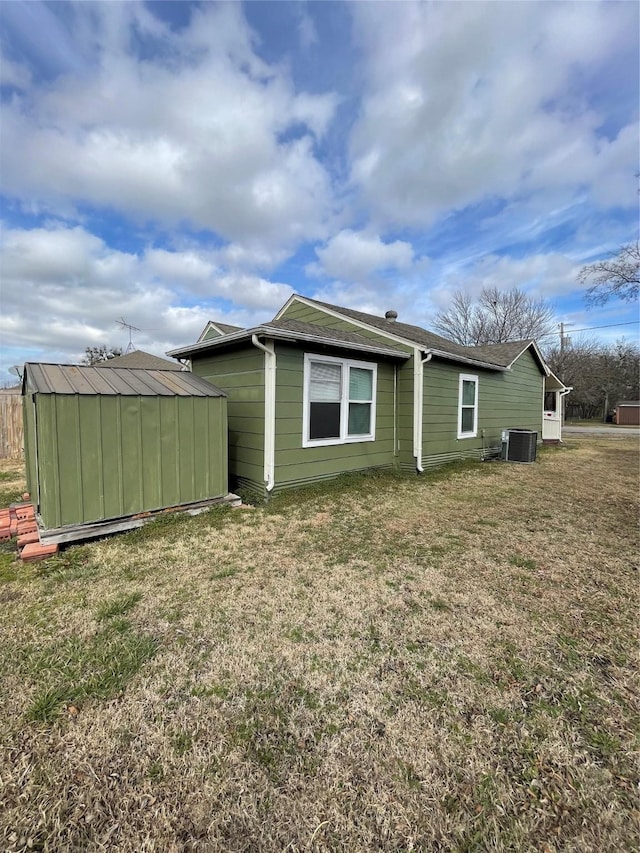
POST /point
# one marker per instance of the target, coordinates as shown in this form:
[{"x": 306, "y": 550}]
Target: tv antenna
[{"x": 124, "y": 325}]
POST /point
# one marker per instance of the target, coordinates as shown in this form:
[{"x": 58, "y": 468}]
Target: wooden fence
[{"x": 11, "y": 431}]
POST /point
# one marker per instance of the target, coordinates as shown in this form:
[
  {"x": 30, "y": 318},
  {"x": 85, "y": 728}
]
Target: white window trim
[
  {"x": 467, "y": 377},
  {"x": 344, "y": 401}
]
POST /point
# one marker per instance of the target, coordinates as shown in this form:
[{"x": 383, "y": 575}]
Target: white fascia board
[
  {"x": 536, "y": 349},
  {"x": 285, "y": 335},
  {"x": 210, "y": 325},
  {"x": 185, "y": 352},
  {"x": 474, "y": 362},
  {"x": 293, "y": 298}
]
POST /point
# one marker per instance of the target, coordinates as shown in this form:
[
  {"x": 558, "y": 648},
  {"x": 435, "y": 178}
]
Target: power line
[{"x": 593, "y": 328}]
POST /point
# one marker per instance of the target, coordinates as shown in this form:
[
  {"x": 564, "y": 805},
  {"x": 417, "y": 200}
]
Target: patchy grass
[
  {"x": 12, "y": 482},
  {"x": 385, "y": 663}
]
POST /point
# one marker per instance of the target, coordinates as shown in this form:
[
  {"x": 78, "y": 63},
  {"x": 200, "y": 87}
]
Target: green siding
[
  {"x": 101, "y": 457},
  {"x": 315, "y": 315},
  {"x": 297, "y": 465},
  {"x": 240, "y": 374},
  {"x": 211, "y": 333},
  {"x": 512, "y": 399}
]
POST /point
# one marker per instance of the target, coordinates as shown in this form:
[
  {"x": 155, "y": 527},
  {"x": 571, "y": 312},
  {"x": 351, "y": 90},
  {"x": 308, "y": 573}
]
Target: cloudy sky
[{"x": 171, "y": 163}]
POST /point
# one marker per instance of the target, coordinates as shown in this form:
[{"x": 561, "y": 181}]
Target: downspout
[
  {"x": 395, "y": 411},
  {"x": 562, "y": 394},
  {"x": 269, "y": 410},
  {"x": 419, "y": 375}
]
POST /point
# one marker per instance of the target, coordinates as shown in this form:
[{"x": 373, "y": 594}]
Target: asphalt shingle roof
[
  {"x": 502, "y": 354},
  {"x": 311, "y": 329},
  {"x": 226, "y": 328},
  {"x": 499, "y": 354},
  {"x": 141, "y": 360},
  {"x": 287, "y": 329}
]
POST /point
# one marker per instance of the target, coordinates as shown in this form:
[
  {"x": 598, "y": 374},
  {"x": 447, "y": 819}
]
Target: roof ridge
[{"x": 396, "y": 326}]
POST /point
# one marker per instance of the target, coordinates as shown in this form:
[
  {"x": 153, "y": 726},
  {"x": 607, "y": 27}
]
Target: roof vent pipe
[{"x": 391, "y": 316}]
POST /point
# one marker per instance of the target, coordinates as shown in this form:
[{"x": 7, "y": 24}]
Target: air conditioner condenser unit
[{"x": 521, "y": 445}]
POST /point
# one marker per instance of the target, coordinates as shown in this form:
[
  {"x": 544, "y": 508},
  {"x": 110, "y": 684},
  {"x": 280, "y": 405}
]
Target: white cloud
[
  {"x": 356, "y": 256},
  {"x": 13, "y": 74},
  {"x": 201, "y": 134},
  {"x": 472, "y": 101},
  {"x": 548, "y": 276},
  {"x": 306, "y": 28},
  {"x": 64, "y": 289}
]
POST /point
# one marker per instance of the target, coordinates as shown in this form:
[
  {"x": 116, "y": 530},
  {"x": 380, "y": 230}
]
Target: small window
[
  {"x": 468, "y": 406},
  {"x": 339, "y": 401}
]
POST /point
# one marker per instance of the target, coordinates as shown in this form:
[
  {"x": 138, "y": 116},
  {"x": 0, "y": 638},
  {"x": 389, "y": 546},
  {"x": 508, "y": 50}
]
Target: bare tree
[
  {"x": 495, "y": 317},
  {"x": 601, "y": 375},
  {"x": 618, "y": 276},
  {"x": 93, "y": 355}
]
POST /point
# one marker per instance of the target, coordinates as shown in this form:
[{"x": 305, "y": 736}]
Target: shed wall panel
[{"x": 105, "y": 457}]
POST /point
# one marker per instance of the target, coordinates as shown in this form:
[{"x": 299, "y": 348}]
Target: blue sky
[{"x": 171, "y": 163}]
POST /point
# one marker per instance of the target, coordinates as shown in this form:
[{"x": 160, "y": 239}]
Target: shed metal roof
[{"x": 123, "y": 381}]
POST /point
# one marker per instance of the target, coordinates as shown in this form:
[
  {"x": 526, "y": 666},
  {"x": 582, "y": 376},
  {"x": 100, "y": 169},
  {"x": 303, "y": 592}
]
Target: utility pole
[{"x": 564, "y": 341}]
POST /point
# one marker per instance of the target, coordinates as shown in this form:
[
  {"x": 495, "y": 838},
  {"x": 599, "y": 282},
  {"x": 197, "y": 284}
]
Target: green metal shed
[{"x": 107, "y": 444}]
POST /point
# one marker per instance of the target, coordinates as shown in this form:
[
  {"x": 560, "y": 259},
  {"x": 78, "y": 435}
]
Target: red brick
[
  {"x": 24, "y": 511},
  {"x": 28, "y": 525},
  {"x": 28, "y": 539},
  {"x": 31, "y": 553},
  {"x": 14, "y": 527},
  {"x": 5, "y": 534}
]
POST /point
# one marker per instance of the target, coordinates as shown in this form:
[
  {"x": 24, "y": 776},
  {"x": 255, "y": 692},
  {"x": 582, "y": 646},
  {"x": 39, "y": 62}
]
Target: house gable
[
  {"x": 309, "y": 311},
  {"x": 216, "y": 330}
]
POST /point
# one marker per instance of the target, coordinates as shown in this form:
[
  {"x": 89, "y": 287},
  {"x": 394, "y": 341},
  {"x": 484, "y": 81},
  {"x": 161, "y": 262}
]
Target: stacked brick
[{"x": 19, "y": 520}]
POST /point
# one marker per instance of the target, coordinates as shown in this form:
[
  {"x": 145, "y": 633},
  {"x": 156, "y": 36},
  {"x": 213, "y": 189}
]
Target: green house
[
  {"x": 109, "y": 444},
  {"x": 321, "y": 390}
]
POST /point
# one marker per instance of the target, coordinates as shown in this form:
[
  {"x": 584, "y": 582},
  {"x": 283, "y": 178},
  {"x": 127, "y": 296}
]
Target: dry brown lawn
[{"x": 397, "y": 664}]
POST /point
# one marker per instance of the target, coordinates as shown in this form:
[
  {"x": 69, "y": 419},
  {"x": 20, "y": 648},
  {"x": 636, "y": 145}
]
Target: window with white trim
[
  {"x": 339, "y": 401},
  {"x": 468, "y": 406}
]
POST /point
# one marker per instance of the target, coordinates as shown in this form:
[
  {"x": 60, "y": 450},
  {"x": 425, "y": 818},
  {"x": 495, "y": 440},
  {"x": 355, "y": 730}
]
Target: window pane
[
  {"x": 468, "y": 393},
  {"x": 360, "y": 383},
  {"x": 324, "y": 420},
  {"x": 325, "y": 382},
  {"x": 359, "y": 418},
  {"x": 467, "y": 420}
]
